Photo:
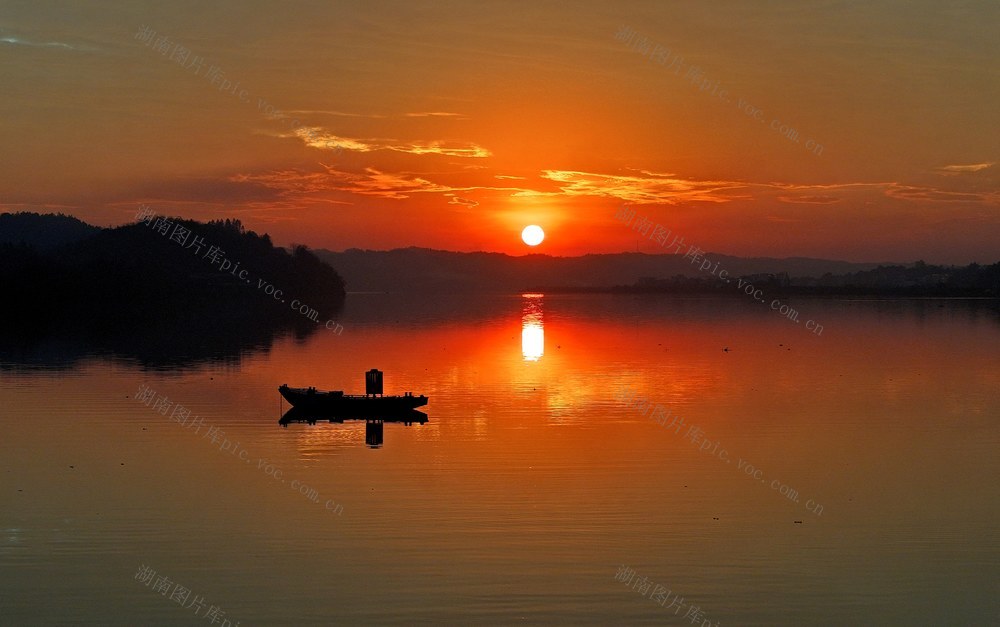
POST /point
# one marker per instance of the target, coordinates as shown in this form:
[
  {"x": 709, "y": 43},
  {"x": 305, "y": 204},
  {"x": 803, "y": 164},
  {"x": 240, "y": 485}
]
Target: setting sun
[{"x": 532, "y": 235}]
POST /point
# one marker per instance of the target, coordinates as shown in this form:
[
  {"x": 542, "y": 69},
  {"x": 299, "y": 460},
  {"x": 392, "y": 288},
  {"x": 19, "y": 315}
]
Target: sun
[{"x": 532, "y": 235}]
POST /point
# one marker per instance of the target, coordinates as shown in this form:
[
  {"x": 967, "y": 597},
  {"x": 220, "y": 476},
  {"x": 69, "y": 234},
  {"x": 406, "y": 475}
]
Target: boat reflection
[
  {"x": 373, "y": 422},
  {"x": 532, "y": 327}
]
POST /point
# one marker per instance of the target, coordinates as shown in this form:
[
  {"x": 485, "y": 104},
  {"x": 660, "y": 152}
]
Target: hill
[
  {"x": 42, "y": 232},
  {"x": 170, "y": 288}
]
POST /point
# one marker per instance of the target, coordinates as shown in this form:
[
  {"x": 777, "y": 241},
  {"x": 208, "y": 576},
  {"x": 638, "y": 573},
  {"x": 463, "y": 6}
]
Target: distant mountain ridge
[{"x": 422, "y": 269}]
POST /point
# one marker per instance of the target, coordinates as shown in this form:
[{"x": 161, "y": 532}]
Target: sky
[{"x": 856, "y": 130}]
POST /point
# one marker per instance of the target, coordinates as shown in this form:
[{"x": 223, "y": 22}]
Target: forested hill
[
  {"x": 163, "y": 269},
  {"x": 42, "y": 232}
]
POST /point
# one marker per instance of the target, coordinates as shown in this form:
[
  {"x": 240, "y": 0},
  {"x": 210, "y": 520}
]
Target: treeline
[
  {"x": 917, "y": 280},
  {"x": 920, "y": 279},
  {"x": 40, "y": 232},
  {"x": 165, "y": 277}
]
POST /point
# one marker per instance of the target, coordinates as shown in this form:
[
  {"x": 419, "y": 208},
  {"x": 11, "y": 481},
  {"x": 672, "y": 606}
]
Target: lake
[{"x": 587, "y": 459}]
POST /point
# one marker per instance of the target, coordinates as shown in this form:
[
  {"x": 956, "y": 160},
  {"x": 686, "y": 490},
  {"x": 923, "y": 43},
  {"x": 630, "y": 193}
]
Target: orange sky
[{"x": 453, "y": 125}]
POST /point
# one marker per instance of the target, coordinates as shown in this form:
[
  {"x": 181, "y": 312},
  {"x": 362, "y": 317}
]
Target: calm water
[{"x": 533, "y": 485}]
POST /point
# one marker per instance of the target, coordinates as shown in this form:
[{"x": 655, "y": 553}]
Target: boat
[{"x": 335, "y": 402}]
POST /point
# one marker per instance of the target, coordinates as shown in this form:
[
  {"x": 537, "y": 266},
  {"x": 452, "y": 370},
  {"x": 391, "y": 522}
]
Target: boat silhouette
[{"x": 335, "y": 402}]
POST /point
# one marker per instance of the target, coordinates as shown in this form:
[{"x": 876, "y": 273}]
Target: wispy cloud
[
  {"x": 342, "y": 114},
  {"x": 916, "y": 192},
  {"x": 441, "y": 148},
  {"x": 318, "y": 137},
  {"x": 458, "y": 200},
  {"x": 635, "y": 187},
  {"x": 810, "y": 200},
  {"x": 370, "y": 182},
  {"x": 41, "y": 44},
  {"x": 436, "y": 114},
  {"x": 652, "y": 188},
  {"x": 964, "y": 169},
  {"x": 836, "y": 192},
  {"x": 378, "y": 116}
]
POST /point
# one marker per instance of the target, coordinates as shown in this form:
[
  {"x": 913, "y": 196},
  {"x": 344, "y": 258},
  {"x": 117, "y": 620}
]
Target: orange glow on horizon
[{"x": 514, "y": 129}]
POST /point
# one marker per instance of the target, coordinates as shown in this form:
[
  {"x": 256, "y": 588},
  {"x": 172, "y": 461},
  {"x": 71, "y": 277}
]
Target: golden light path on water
[{"x": 532, "y": 328}]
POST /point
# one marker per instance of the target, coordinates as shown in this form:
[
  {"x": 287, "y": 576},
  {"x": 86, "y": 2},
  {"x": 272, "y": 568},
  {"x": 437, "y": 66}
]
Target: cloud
[
  {"x": 836, "y": 192},
  {"x": 636, "y": 187},
  {"x": 439, "y": 147},
  {"x": 842, "y": 187},
  {"x": 345, "y": 114},
  {"x": 318, "y": 137},
  {"x": 915, "y": 192},
  {"x": 810, "y": 200},
  {"x": 45, "y": 44},
  {"x": 456, "y": 200},
  {"x": 649, "y": 189},
  {"x": 436, "y": 114},
  {"x": 290, "y": 182},
  {"x": 370, "y": 182},
  {"x": 963, "y": 169},
  {"x": 817, "y": 194},
  {"x": 336, "y": 113}
]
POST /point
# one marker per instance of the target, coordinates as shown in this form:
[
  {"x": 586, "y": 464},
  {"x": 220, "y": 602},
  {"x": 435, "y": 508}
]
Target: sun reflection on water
[{"x": 532, "y": 328}]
